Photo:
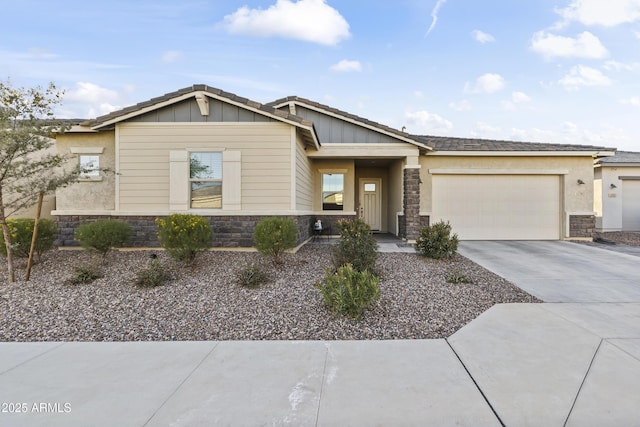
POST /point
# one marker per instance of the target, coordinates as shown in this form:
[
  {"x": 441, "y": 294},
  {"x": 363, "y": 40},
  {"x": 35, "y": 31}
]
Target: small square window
[{"x": 89, "y": 166}]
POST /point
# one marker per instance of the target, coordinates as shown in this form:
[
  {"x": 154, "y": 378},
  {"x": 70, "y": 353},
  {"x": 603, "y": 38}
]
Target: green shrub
[
  {"x": 184, "y": 235},
  {"x": 436, "y": 241},
  {"x": 152, "y": 276},
  {"x": 84, "y": 274},
  {"x": 251, "y": 276},
  {"x": 458, "y": 277},
  {"x": 273, "y": 236},
  {"x": 21, "y": 230},
  {"x": 349, "y": 291},
  {"x": 103, "y": 235},
  {"x": 357, "y": 246}
]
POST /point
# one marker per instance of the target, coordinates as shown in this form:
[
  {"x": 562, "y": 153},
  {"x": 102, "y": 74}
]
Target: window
[
  {"x": 89, "y": 166},
  {"x": 332, "y": 191},
  {"x": 205, "y": 176}
]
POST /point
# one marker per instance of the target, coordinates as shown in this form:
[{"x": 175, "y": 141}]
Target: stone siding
[
  {"x": 228, "y": 231},
  {"x": 582, "y": 225},
  {"x": 411, "y": 205}
]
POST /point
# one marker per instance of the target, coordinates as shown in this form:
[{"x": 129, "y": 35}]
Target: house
[
  {"x": 212, "y": 153},
  {"x": 617, "y": 192}
]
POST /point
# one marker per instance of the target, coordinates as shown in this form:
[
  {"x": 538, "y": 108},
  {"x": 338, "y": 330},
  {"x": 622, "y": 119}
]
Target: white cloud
[
  {"x": 347, "y": 66},
  {"x": 520, "y": 97},
  {"x": 426, "y": 122},
  {"x": 482, "y": 37},
  {"x": 484, "y": 130},
  {"x": 598, "y": 12},
  {"x": 462, "y": 105},
  {"x": 308, "y": 20},
  {"x": 434, "y": 15},
  {"x": 90, "y": 93},
  {"x": 517, "y": 98},
  {"x": 487, "y": 83},
  {"x": 586, "y": 45},
  {"x": 633, "y": 101},
  {"x": 171, "y": 56},
  {"x": 581, "y": 75},
  {"x": 621, "y": 66},
  {"x": 89, "y": 100}
]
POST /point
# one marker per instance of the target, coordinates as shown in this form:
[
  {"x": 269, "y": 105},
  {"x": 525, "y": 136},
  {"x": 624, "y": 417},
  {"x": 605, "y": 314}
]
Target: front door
[{"x": 371, "y": 202}]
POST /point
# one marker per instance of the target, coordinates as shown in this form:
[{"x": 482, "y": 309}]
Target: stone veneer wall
[
  {"x": 228, "y": 231},
  {"x": 410, "y": 222},
  {"x": 582, "y": 225}
]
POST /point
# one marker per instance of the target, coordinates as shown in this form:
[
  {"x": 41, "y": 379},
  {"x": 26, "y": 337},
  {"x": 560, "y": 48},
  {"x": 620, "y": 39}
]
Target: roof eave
[{"x": 407, "y": 138}]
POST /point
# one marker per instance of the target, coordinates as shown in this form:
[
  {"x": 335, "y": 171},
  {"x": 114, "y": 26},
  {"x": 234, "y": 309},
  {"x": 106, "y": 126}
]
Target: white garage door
[
  {"x": 630, "y": 205},
  {"x": 499, "y": 207}
]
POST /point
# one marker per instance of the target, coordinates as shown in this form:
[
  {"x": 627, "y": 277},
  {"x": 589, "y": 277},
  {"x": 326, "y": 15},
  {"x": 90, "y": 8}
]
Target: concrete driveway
[{"x": 557, "y": 271}]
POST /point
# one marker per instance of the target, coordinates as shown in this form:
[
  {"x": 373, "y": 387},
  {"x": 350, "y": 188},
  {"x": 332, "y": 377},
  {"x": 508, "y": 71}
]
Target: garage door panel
[
  {"x": 499, "y": 207},
  {"x": 630, "y": 205}
]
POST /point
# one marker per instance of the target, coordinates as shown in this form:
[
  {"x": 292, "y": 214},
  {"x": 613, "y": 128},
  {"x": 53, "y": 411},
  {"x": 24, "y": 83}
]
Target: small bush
[
  {"x": 273, "y": 236},
  {"x": 152, "y": 276},
  {"x": 349, "y": 291},
  {"x": 184, "y": 235},
  {"x": 84, "y": 274},
  {"x": 436, "y": 241},
  {"x": 357, "y": 246},
  {"x": 457, "y": 277},
  {"x": 103, "y": 235},
  {"x": 21, "y": 230},
  {"x": 251, "y": 276}
]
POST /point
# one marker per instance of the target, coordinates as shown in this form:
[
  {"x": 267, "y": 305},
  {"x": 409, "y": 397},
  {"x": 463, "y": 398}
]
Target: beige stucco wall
[
  {"x": 608, "y": 201},
  {"x": 335, "y": 166},
  {"x": 396, "y": 178},
  {"x": 88, "y": 195},
  {"x": 265, "y": 161},
  {"x": 576, "y": 198}
]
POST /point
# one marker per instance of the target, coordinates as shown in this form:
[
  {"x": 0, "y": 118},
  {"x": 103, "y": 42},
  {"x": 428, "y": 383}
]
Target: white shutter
[
  {"x": 178, "y": 180},
  {"x": 231, "y": 180}
]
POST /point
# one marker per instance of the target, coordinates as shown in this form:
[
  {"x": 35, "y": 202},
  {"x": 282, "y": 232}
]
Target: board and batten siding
[
  {"x": 144, "y": 156},
  {"x": 304, "y": 178}
]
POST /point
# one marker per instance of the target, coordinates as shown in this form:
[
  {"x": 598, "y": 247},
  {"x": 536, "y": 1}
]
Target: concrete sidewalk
[
  {"x": 573, "y": 364},
  {"x": 515, "y": 365}
]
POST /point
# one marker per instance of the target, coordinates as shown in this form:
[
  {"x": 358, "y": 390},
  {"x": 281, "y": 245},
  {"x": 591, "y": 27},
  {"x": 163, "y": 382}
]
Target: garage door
[
  {"x": 631, "y": 205},
  {"x": 499, "y": 207}
]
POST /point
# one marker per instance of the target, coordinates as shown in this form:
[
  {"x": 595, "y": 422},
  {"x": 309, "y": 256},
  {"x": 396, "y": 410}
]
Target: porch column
[{"x": 411, "y": 202}]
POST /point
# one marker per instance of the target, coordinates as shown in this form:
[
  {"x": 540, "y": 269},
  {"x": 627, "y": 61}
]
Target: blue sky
[{"x": 565, "y": 71}]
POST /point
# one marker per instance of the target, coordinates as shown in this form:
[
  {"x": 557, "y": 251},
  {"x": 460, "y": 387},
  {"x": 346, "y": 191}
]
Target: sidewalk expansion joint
[
  {"x": 182, "y": 383},
  {"x": 595, "y": 353},
  {"x": 476, "y": 384},
  {"x": 324, "y": 373}
]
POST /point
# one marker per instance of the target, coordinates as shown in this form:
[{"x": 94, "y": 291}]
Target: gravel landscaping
[
  {"x": 620, "y": 237},
  {"x": 204, "y": 302}
]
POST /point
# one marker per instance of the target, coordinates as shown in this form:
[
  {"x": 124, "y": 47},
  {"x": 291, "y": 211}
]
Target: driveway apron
[{"x": 558, "y": 271}]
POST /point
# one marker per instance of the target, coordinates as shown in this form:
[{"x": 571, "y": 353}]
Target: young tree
[{"x": 27, "y": 166}]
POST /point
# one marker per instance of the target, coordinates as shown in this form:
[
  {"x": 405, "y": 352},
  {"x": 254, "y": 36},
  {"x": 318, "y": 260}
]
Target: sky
[{"x": 558, "y": 71}]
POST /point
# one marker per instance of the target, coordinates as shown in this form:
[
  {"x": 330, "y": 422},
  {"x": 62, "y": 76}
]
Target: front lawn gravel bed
[{"x": 203, "y": 302}]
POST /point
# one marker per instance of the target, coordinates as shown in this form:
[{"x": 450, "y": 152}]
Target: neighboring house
[
  {"x": 204, "y": 151},
  {"x": 617, "y": 192}
]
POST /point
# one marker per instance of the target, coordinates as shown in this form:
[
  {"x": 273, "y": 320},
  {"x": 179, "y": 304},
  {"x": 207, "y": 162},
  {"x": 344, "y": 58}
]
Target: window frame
[
  {"x": 195, "y": 179},
  {"x": 336, "y": 206},
  {"x": 93, "y": 170}
]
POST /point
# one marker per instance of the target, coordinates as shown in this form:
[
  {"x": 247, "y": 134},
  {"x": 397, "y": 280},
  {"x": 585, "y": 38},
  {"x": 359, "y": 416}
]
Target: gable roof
[
  {"x": 445, "y": 143},
  {"x": 309, "y": 133},
  {"x": 622, "y": 158},
  {"x": 352, "y": 118}
]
